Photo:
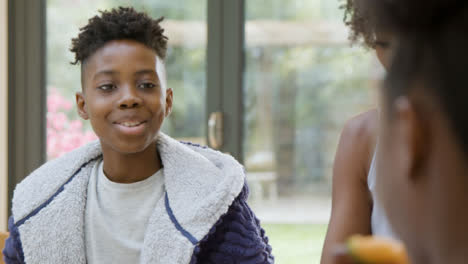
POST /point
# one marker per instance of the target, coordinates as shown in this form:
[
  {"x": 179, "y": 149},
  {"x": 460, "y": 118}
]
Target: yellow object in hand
[{"x": 376, "y": 250}]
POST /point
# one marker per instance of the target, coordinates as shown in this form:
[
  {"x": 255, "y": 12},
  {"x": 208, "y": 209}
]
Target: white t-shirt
[{"x": 116, "y": 216}]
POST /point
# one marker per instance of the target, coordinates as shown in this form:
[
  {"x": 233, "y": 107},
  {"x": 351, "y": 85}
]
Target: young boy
[
  {"x": 422, "y": 160},
  {"x": 136, "y": 195}
]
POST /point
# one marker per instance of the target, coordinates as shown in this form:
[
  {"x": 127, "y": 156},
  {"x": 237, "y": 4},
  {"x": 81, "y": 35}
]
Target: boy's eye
[
  {"x": 106, "y": 87},
  {"x": 146, "y": 85}
]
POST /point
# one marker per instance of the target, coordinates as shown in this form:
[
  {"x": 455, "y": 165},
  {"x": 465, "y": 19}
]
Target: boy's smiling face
[{"x": 123, "y": 96}]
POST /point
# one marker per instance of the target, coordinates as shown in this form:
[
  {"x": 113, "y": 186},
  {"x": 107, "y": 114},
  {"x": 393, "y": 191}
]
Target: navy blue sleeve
[
  {"x": 13, "y": 251},
  {"x": 236, "y": 238}
]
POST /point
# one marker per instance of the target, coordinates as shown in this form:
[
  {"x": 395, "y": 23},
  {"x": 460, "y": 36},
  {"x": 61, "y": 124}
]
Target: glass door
[{"x": 302, "y": 82}]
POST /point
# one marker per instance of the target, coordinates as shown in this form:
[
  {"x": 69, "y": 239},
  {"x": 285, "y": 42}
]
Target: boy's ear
[
  {"x": 81, "y": 105},
  {"x": 412, "y": 129},
  {"x": 169, "y": 99}
]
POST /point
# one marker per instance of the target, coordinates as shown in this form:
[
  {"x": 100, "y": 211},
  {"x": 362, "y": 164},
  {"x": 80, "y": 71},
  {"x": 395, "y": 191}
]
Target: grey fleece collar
[{"x": 201, "y": 184}]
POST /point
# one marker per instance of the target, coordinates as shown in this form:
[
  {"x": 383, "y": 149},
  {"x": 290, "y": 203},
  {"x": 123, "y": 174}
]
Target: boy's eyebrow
[
  {"x": 112, "y": 72},
  {"x": 104, "y": 72},
  {"x": 145, "y": 71}
]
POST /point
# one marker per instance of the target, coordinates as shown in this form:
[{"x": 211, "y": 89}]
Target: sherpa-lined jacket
[{"x": 203, "y": 217}]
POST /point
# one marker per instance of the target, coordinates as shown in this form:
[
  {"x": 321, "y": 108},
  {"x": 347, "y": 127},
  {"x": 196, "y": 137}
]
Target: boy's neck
[
  {"x": 129, "y": 168},
  {"x": 454, "y": 256},
  {"x": 448, "y": 222},
  {"x": 450, "y": 244}
]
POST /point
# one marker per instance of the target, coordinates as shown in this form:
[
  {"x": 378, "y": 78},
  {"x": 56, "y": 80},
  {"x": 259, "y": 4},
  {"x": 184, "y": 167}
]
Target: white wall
[{"x": 3, "y": 113}]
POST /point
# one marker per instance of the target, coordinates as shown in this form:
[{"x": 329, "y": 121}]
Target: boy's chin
[{"x": 129, "y": 148}]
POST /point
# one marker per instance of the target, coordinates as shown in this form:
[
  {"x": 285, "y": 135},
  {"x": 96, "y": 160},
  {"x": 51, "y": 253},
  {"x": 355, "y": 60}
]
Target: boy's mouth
[
  {"x": 131, "y": 128},
  {"x": 131, "y": 123}
]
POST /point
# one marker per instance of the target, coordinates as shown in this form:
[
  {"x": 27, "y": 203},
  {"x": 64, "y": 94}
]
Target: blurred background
[{"x": 281, "y": 74}]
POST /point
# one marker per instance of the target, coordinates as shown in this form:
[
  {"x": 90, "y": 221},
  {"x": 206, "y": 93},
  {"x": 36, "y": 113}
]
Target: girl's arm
[{"x": 351, "y": 200}]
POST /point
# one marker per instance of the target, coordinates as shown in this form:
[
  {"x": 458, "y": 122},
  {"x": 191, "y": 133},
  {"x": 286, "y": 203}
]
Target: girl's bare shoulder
[{"x": 360, "y": 134}]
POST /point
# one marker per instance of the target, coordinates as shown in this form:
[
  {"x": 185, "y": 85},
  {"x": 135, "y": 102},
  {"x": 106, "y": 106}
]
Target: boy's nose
[{"x": 129, "y": 99}]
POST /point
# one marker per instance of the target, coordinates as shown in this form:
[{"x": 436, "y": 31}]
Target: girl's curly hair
[
  {"x": 358, "y": 18},
  {"x": 119, "y": 23}
]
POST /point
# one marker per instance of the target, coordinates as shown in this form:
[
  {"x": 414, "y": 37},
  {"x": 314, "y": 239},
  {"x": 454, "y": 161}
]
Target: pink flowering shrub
[{"x": 63, "y": 134}]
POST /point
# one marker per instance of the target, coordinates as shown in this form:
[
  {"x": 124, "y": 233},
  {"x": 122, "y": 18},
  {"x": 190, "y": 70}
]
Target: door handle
[{"x": 215, "y": 130}]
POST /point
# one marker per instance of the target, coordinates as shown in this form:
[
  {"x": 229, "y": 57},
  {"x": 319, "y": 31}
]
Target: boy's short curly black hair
[
  {"x": 357, "y": 18},
  {"x": 119, "y": 23}
]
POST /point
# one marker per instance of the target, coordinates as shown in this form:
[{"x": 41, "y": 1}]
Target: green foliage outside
[{"x": 308, "y": 91}]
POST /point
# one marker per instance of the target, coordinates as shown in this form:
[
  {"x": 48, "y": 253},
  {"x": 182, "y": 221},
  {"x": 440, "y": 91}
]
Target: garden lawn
[{"x": 296, "y": 243}]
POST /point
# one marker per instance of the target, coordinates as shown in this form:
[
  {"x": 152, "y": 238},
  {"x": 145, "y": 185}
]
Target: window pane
[
  {"x": 185, "y": 25},
  {"x": 302, "y": 82}
]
